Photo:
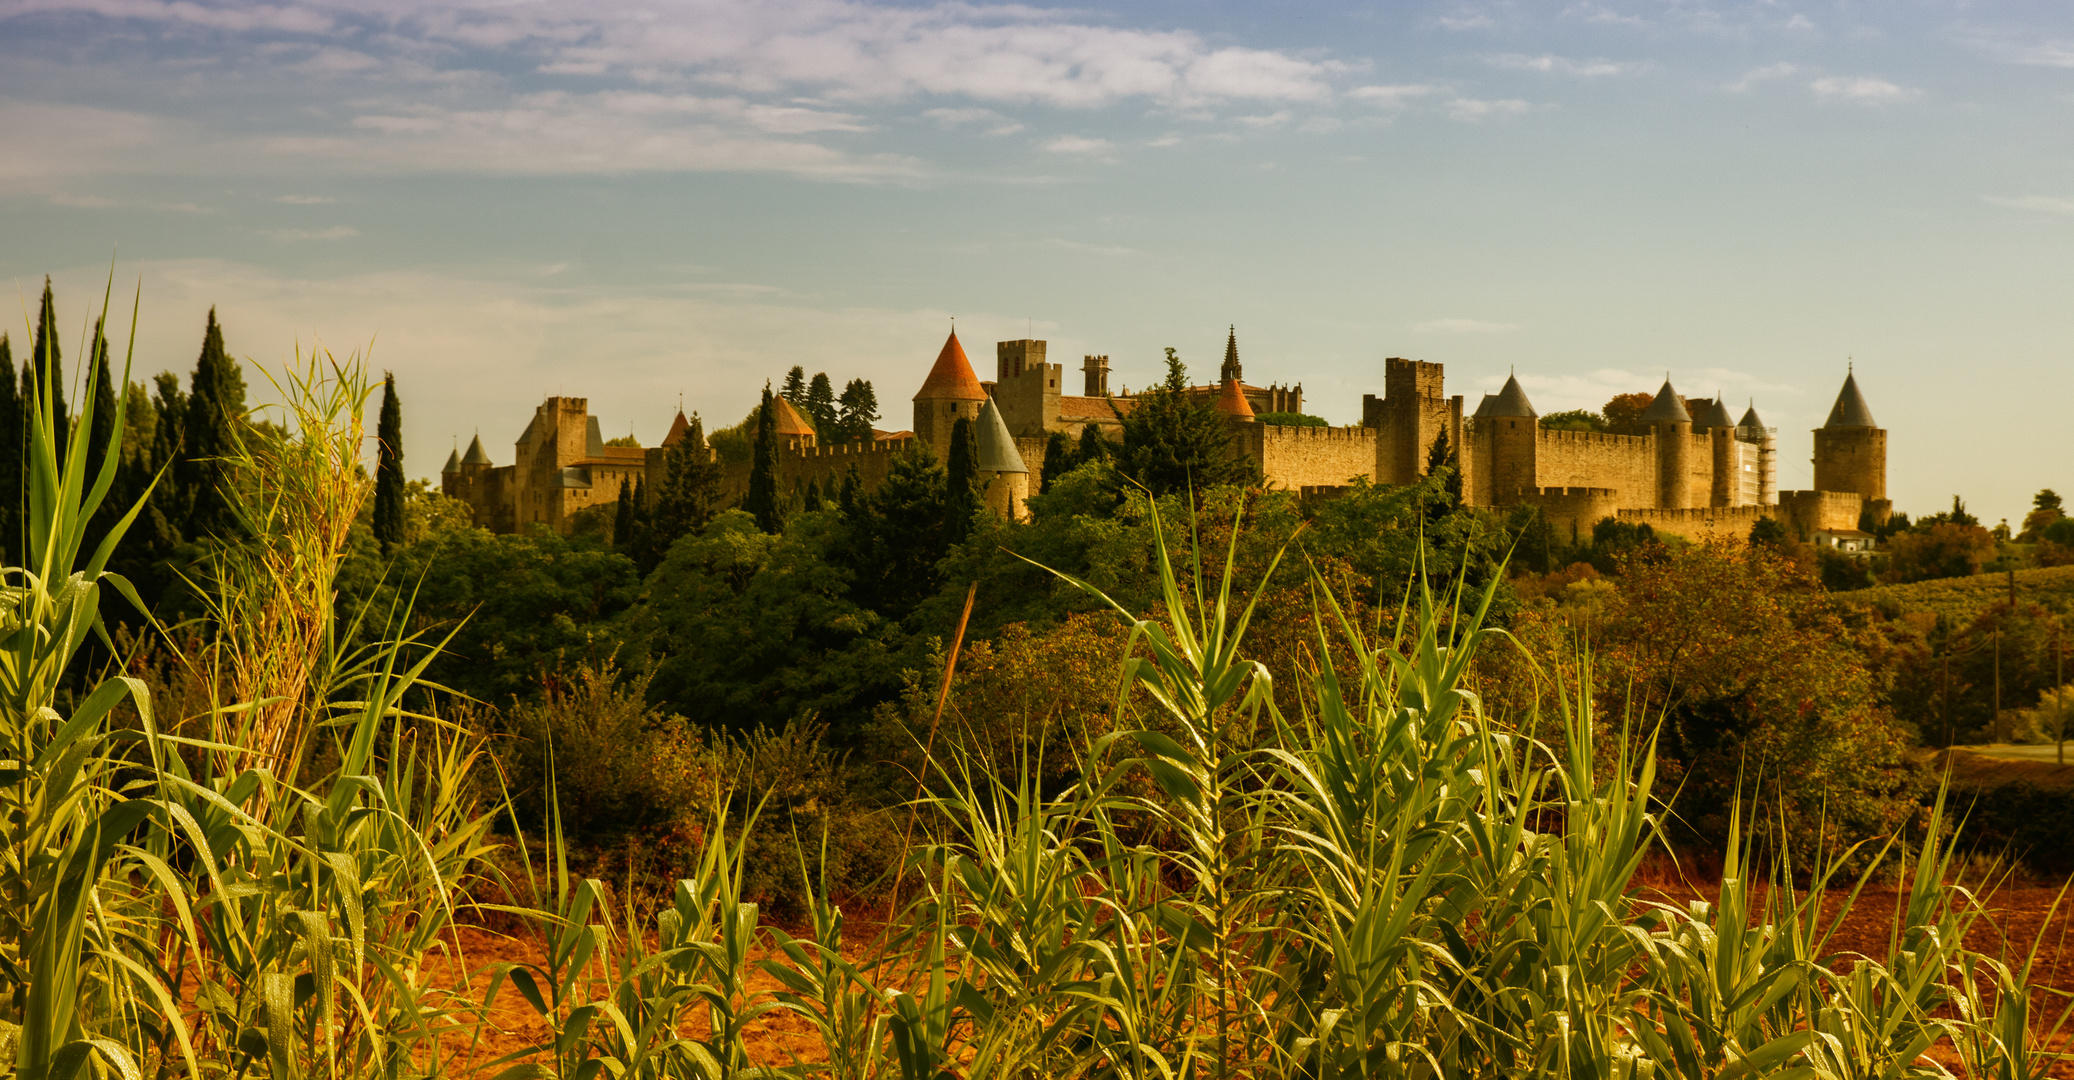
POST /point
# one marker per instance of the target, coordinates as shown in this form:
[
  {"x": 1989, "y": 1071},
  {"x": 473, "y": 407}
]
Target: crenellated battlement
[
  {"x": 1294, "y": 433},
  {"x": 1594, "y": 438}
]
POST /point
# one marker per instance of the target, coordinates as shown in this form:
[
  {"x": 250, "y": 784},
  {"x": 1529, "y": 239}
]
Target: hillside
[{"x": 1961, "y": 599}]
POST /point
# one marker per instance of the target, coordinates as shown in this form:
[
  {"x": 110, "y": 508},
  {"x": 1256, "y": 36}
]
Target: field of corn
[{"x": 1389, "y": 883}]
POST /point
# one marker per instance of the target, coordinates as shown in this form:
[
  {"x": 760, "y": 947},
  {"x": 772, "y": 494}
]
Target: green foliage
[
  {"x": 215, "y": 406},
  {"x": 46, "y": 370},
  {"x": 388, "y": 477},
  {"x": 1291, "y": 419},
  {"x": 1574, "y": 420},
  {"x": 961, "y": 482},
  {"x": 1841, "y": 572},
  {"x": 683, "y": 502},
  {"x": 532, "y": 602},
  {"x": 1769, "y": 531},
  {"x": 1172, "y": 442},
  {"x": 819, "y": 405},
  {"x": 761, "y": 501},
  {"x": 1623, "y": 412},
  {"x": 858, "y": 410},
  {"x": 1938, "y": 549}
]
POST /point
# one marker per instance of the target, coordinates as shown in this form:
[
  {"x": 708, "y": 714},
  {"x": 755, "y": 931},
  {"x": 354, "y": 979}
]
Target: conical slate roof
[
  {"x": 1484, "y": 407},
  {"x": 1666, "y": 408},
  {"x": 1751, "y": 419},
  {"x": 1511, "y": 401},
  {"x": 475, "y": 456},
  {"x": 951, "y": 379},
  {"x": 1231, "y": 401},
  {"x": 997, "y": 452},
  {"x": 1850, "y": 410},
  {"x": 453, "y": 462},
  {"x": 1713, "y": 416}
]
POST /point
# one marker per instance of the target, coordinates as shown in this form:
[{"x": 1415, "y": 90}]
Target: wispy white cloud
[
  {"x": 1078, "y": 144},
  {"x": 1475, "y": 109},
  {"x": 102, "y": 202},
  {"x": 1278, "y": 118},
  {"x": 1863, "y": 89},
  {"x": 304, "y": 200},
  {"x": 1600, "y": 13},
  {"x": 1462, "y": 326},
  {"x": 1395, "y": 96},
  {"x": 994, "y": 123},
  {"x": 2044, "y": 204},
  {"x": 1756, "y": 76},
  {"x": 1561, "y": 65}
]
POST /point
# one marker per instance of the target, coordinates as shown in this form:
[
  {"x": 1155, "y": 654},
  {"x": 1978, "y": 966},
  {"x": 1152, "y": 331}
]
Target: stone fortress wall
[{"x": 1693, "y": 472}]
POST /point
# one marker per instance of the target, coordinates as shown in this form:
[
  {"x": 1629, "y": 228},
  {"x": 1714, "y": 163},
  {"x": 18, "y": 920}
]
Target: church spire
[{"x": 1231, "y": 371}]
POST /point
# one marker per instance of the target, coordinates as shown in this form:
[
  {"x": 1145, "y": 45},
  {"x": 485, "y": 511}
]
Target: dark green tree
[
  {"x": 623, "y": 517},
  {"x": 100, "y": 439},
  {"x": 858, "y": 411},
  {"x": 820, "y": 405},
  {"x": 961, "y": 482},
  {"x": 1059, "y": 460},
  {"x": 762, "y": 499},
  {"x": 795, "y": 390},
  {"x": 1768, "y": 532},
  {"x": 895, "y": 535},
  {"x": 47, "y": 366},
  {"x": 13, "y": 480},
  {"x": 1093, "y": 446},
  {"x": 388, "y": 477},
  {"x": 215, "y": 406},
  {"x": 1441, "y": 456},
  {"x": 1174, "y": 443},
  {"x": 684, "y": 502}
]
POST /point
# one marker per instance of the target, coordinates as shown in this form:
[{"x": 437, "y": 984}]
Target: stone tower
[
  {"x": 1850, "y": 449},
  {"x": 1001, "y": 467},
  {"x": 951, "y": 391},
  {"x": 1095, "y": 372},
  {"x": 1667, "y": 420},
  {"x": 1725, "y": 456},
  {"x": 1515, "y": 442},
  {"x": 1415, "y": 413}
]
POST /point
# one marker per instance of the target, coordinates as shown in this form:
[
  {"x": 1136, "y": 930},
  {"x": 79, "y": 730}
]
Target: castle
[{"x": 1692, "y": 470}]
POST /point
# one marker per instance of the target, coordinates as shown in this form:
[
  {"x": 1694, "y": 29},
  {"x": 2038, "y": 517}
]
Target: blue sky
[{"x": 633, "y": 201}]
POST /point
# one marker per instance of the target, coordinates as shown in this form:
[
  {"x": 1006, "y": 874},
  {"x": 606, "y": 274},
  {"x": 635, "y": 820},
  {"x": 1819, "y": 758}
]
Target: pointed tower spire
[
  {"x": 1231, "y": 371},
  {"x": 1850, "y": 410},
  {"x": 951, "y": 378},
  {"x": 1666, "y": 408}
]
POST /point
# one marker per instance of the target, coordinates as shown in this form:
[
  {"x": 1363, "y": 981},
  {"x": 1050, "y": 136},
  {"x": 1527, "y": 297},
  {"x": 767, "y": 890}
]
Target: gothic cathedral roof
[
  {"x": 1850, "y": 409},
  {"x": 952, "y": 378},
  {"x": 1231, "y": 372}
]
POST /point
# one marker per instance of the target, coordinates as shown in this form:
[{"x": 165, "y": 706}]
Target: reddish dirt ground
[{"x": 2018, "y": 915}]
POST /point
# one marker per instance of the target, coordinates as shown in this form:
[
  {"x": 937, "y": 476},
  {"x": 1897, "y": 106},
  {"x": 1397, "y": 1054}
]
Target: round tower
[
  {"x": 1667, "y": 420},
  {"x": 1851, "y": 449},
  {"x": 1725, "y": 474},
  {"x": 1515, "y": 434},
  {"x": 950, "y": 392}
]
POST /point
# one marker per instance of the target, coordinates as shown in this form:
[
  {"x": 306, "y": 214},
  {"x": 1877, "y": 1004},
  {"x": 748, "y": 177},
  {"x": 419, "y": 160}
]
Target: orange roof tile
[
  {"x": 791, "y": 421},
  {"x": 952, "y": 378},
  {"x": 1232, "y": 401},
  {"x": 677, "y": 429}
]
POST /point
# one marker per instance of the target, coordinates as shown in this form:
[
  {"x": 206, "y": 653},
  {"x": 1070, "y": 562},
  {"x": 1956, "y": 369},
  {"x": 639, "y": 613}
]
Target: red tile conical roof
[
  {"x": 677, "y": 429},
  {"x": 952, "y": 378},
  {"x": 1232, "y": 401}
]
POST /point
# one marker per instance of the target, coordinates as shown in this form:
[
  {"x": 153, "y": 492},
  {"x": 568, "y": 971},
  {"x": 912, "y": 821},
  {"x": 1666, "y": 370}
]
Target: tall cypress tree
[
  {"x": 795, "y": 390},
  {"x": 13, "y": 480},
  {"x": 762, "y": 499},
  {"x": 1058, "y": 460},
  {"x": 1093, "y": 447},
  {"x": 961, "y": 482},
  {"x": 388, "y": 477},
  {"x": 623, "y": 516},
  {"x": 683, "y": 505},
  {"x": 48, "y": 369},
  {"x": 215, "y": 405}
]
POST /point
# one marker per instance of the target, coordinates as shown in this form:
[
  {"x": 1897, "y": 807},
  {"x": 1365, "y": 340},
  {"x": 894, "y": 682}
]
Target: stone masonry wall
[
  {"x": 1624, "y": 463},
  {"x": 1700, "y": 523},
  {"x": 1296, "y": 457}
]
